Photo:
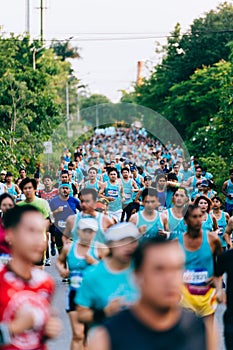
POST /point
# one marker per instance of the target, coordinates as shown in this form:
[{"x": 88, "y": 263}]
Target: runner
[
  {"x": 209, "y": 222},
  {"x": 149, "y": 221},
  {"x": 109, "y": 286},
  {"x": 62, "y": 207},
  {"x": 156, "y": 321},
  {"x": 3, "y": 176},
  {"x": 48, "y": 193},
  {"x": 28, "y": 187},
  {"x": 222, "y": 219},
  {"x": 113, "y": 191},
  {"x": 6, "y": 203},
  {"x": 175, "y": 215},
  {"x": 200, "y": 249},
  {"x": 26, "y": 319},
  {"x": 88, "y": 197},
  {"x": 92, "y": 180},
  {"x": 160, "y": 186},
  {"x": 130, "y": 188},
  {"x": 227, "y": 190},
  {"x": 12, "y": 188},
  {"x": 73, "y": 263}
]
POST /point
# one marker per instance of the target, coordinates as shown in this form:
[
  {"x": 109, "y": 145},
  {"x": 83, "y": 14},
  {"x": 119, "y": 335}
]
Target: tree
[{"x": 64, "y": 49}]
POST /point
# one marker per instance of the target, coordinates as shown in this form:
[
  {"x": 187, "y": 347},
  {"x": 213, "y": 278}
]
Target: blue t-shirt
[
  {"x": 69, "y": 208},
  {"x": 101, "y": 285}
]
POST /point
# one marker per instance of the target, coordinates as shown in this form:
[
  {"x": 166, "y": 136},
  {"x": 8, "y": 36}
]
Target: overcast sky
[{"x": 108, "y": 65}]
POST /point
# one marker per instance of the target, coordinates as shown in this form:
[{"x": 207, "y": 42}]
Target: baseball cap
[
  {"x": 122, "y": 230},
  {"x": 147, "y": 178},
  {"x": 205, "y": 183},
  {"x": 162, "y": 161},
  {"x": 88, "y": 223},
  {"x": 3, "y": 172},
  {"x": 65, "y": 184}
]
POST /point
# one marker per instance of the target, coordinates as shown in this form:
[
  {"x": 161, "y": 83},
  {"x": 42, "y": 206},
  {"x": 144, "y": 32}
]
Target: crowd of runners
[{"x": 139, "y": 233}]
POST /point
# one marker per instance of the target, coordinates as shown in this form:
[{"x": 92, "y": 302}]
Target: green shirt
[{"x": 41, "y": 204}]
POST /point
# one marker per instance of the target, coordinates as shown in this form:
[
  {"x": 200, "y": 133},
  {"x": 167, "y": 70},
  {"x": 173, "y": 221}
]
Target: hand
[
  {"x": 60, "y": 209},
  {"x": 142, "y": 229},
  {"x": 90, "y": 260},
  {"x": 24, "y": 320},
  {"x": 64, "y": 273},
  {"x": 113, "y": 307},
  {"x": 52, "y": 327},
  {"x": 221, "y": 296},
  {"x": 165, "y": 234},
  {"x": 110, "y": 199}
]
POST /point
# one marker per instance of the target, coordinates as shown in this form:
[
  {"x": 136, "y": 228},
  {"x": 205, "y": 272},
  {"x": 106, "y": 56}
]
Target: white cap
[
  {"x": 122, "y": 230},
  {"x": 88, "y": 223}
]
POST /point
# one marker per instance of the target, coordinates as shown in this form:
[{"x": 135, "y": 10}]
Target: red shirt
[
  {"x": 34, "y": 294},
  {"x": 48, "y": 196},
  {"x": 4, "y": 246}
]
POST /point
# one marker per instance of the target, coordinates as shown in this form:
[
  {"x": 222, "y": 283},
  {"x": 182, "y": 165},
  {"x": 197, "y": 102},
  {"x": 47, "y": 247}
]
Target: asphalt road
[{"x": 63, "y": 341}]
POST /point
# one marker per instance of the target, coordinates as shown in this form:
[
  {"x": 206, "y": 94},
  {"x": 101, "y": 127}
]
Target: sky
[{"x": 112, "y": 35}]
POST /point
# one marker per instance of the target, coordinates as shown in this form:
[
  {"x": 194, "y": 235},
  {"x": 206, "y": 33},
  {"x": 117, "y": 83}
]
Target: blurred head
[
  {"x": 64, "y": 190},
  {"x": 122, "y": 239},
  {"x": 87, "y": 228},
  {"x": 22, "y": 173},
  {"x": 6, "y": 202},
  {"x": 25, "y": 227},
  {"x": 161, "y": 181},
  {"x": 112, "y": 173},
  {"x": 217, "y": 202},
  {"x": 231, "y": 174},
  {"x": 150, "y": 199},
  {"x": 64, "y": 176},
  {"x": 3, "y": 175},
  {"x": 147, "y": 181},
  {"x": 193, "y": 218},
  {"x": 204, "y": 203},
  {"x": 47, "y": 181},
  {"x": 92, "y": 173},
  {"x": 28, "y": 187},
  {"x": 180, "y": 197},
  {"x": 9, "y": 177},
  {"x": 88, "y": 197},
  {"x": 125, "y": 173},
  {"x": 159, "y": 272},
  {"x": 198, "y": 171}
]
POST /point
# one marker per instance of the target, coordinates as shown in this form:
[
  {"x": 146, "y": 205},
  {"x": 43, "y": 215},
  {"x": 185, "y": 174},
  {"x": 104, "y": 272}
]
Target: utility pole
[
  {"x": 41, "y": 21},
  {"x": 27, "y": 16}
]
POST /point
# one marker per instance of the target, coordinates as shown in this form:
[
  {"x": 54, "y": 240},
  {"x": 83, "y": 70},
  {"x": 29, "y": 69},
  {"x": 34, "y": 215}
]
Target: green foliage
[{"x": 31, "y": 79}]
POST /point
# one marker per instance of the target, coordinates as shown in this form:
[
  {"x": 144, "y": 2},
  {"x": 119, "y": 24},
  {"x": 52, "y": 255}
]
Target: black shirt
[
  {"x": 127, "y": 332},
  {"x": 225, "y": 265}
]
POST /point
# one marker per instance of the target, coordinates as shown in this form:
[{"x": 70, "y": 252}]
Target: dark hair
[
  {"x": 13, "y": 216},
  {"x": 47, "y": 176},
  {"x": 27, "y": 181},
  {"x": 172, "y": 176},
  {"x": 70, "y": 164},
  {"x": 152, "y": 192},
  {"x": 188, "y": 210},
  {"x": 90, "y": 191},
  {"x": 218, "y": 198},
  {"x": 21, "y": 170},
  {"x": 4, "y": 196},
  {"x": 92, "y": 168},
  {"x": 230, "y": 171},
  {"x": 140, "y": 252},
  {"x": 161, "y": 176},
  {"x": 198, "y": 167},
  {"x": 198, "y": 199},
  {"x": 64, "y": 172},
  {"x": 124, "y": 169},
  {"x": 110, "y": 170}
]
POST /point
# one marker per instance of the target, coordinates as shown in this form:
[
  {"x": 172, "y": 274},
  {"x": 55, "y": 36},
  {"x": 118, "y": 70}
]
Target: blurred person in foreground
[
  {"x": 156, "y": 321},
  {"x": 26, "y": 318}
]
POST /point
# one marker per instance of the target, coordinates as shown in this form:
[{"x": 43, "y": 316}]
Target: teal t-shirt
[{"x": 101, "y": 285}]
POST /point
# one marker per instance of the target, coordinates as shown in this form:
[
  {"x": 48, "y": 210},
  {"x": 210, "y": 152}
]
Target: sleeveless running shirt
[
  {"x": 229, "y": 190},
  {"x": 115, "y": 192},
  {"x": 152, "y": 226},
  {"x": 199, "y": 265},
  {"x": 176, "y": 225}
]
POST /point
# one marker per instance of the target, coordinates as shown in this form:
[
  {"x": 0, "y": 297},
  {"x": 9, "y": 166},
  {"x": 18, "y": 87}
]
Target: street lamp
[{"x": 35, "y": 50}]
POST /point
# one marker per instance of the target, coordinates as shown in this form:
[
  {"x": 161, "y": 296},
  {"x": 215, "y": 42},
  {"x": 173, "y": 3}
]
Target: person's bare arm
[
  {"x": 133, "y": 219},
  {"x": 107, "y": 222},
  {"x": 228, "y": 232},
  {"x": 135, "y": 187},
  {"x": 61, "y": 262},
  {"x": 224, "y": 186},
  {"x": 99, "y": 340},
  {"x": 137, "y": 199},
  {"x": 215, "y": 243},
  {"x": 17, "y": 189},
  {"x": 69, "y": 226}
]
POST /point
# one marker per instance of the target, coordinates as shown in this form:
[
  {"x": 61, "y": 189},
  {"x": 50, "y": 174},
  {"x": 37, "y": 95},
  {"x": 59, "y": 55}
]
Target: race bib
[
  {"x": 220, "y": 232},
  {"x": 76, "y": 279},
  {"x": 127, "y": 195},
  {"x": 113, "y": 193},
  {"x": 61, "y": 224},
  {"x": 195, "y": 276}
]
